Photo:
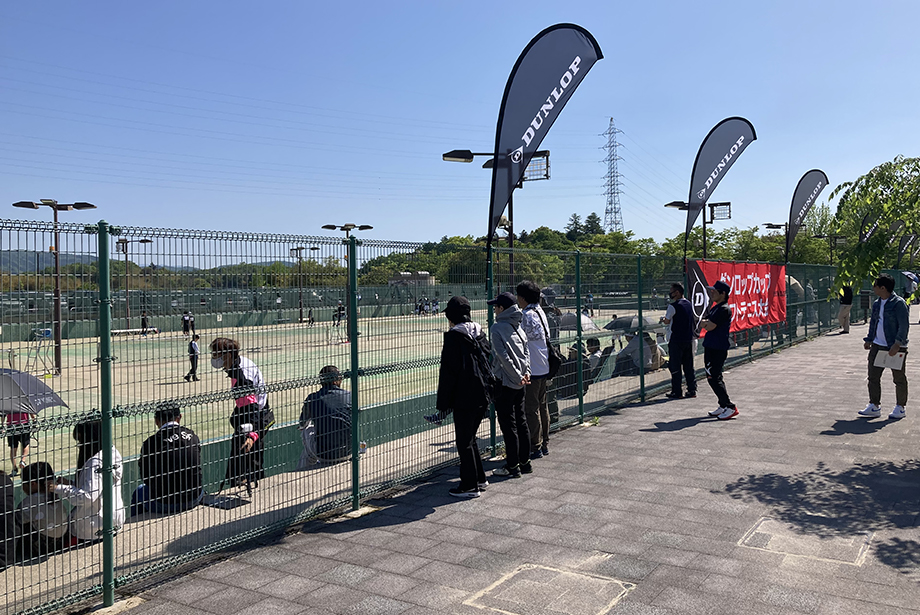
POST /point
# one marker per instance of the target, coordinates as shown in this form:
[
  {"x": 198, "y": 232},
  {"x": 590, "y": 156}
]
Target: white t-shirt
[
  {"x": 669, "y": 316},
  {"x": 880, "y": 331}
]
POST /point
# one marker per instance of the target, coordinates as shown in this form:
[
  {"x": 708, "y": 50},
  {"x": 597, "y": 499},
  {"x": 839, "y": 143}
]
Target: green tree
[
  {"x": 574, "y": 229},
  {"x": 593, "y": 225},
  {"x": 890, "y": 191}
]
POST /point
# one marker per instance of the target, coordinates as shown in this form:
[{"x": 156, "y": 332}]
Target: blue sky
[{"x": 283, "y": 116}]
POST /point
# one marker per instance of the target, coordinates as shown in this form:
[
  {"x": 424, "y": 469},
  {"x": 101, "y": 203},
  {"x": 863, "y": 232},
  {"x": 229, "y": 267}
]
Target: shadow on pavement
[
  {"x": 855, "y": 426},
  {"x": 680, "y": 424},
  {"x": 902, "y": 555},
  {"x": 884, "y": 495}
]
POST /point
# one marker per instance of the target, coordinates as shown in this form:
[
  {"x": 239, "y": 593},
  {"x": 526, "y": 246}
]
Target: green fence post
[
  {"x": 353, "y": 338},
  {"x": 641, "y": 330},
  {"x": 105, "y": 384},
  {"x": 490, "y": 318},
  {"x": 579, "y": 378}
]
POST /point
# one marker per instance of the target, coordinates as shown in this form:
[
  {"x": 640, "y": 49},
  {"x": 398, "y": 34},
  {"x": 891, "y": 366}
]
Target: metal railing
[{"x": 295, "y": 304}]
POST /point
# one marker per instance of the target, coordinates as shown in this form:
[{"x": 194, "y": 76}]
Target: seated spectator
[
  {"x": 7, "y": 520},
  {"x": 628, "y": 360},
  {"x": 565, "y": 383},
  {"x": 85, "y": 495},
  {"x": 594, "y": 352},
  {"x": 169, "y": 465},
  {"x": 326, "y": 419},
  {"x": 41, "y": 514}
]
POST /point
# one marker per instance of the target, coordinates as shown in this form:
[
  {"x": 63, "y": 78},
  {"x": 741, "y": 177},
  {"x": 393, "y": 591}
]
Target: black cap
[
  {"x": 458, "y": 309},
  {"x": 504, "y": 300},
  {"x": 722, "y": 287}
]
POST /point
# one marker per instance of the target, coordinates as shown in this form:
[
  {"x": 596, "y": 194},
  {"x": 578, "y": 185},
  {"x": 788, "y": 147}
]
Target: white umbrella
[
  {"x": 569, "y": 322},
  {"x": 22, "y": 392}
]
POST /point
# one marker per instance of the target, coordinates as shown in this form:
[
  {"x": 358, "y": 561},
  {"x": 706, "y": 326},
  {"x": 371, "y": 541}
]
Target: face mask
[{"x": 217, "y": 363}]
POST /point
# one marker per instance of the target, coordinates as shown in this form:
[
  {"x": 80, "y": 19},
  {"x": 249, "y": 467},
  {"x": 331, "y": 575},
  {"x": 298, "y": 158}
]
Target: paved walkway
[{"x": 796, "y": 506}]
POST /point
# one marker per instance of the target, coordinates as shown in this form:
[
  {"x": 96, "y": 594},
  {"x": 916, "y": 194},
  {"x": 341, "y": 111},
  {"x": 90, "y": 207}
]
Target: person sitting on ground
[
  {"x": 628, "y": 360},
  {"x": 170, "y": 466},
  {"x": 85, "y": 494},
  {"x": 41, "y": 514},
  {"x": 594, "y": 352},
  {"x": 325, "y": 420}
]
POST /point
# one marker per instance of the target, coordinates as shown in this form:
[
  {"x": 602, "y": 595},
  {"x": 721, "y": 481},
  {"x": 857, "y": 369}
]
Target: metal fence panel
[{"x": 367, "y": 310}]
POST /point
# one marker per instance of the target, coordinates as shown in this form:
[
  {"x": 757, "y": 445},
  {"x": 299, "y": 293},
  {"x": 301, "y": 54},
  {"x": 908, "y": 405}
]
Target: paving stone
[
  {"x": 275, "y": 606},
  {"x": 346, "y": 574}
]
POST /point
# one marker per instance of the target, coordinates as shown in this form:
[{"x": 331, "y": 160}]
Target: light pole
[
  {"x": 298, "y": 252},
  {"x": 56, "y": 318},
  {"x": 123, "y": 247},
  {"x": 535, "y": 170},
  {"x": 775, "y": 226},
  {"x": 725, "y": 206},
  {"x": 832, "y": 240},
  {"x": 351, "y": 281}
]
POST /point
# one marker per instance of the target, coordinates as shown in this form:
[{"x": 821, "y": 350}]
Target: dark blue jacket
[{"x": 682, "y": 322}]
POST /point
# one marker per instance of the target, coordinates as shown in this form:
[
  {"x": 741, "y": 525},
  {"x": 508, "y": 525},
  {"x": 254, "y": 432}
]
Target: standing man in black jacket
[
  {"x": 464, "y": 384},
  {"x": 679, "y": 318},
  {"x": 170, "y": 466},
  {"x": 846, "y": 304}
]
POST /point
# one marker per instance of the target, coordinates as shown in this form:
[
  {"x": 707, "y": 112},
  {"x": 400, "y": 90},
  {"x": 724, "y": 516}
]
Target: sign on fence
[{"x": 758, "y": 291}]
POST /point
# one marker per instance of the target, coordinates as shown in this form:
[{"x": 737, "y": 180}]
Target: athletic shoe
[
  {"x": 545, "y": 450},
  {"x": 483, "y": 486},
  {"x": 526, "y": 468},
  {"x": 537, "y": 454},
  {"x": 690, "y": 394},
  {"x": 187, "y": 378},
  {"x": 872, "y": 411},
  {"x": 15, "y": 471},
  {"x": 728, "y": 413},
  {"x": 457, "y": 492},
  {"x": 898, "y": 412},
  {"x": 506, "y": 472},
  {"x": 434, "y": 419},
  {"x": 717, "y": 411},
  {"x": 673, "y": 395}
]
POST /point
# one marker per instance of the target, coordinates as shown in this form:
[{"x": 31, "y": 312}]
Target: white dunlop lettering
[
  {"x": 551, "y": 100},
  {"x": 528, "y": 136},
  {"x": 537, "y": 122},
  {"x": 574, "y": 65}
]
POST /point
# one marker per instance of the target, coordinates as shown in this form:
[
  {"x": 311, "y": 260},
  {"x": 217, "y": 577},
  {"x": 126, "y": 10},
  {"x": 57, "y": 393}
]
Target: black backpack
[{"x": 553, "y": 354}]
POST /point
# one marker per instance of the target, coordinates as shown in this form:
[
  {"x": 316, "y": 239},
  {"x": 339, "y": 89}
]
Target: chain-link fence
[{"x": 180, "y": 392}]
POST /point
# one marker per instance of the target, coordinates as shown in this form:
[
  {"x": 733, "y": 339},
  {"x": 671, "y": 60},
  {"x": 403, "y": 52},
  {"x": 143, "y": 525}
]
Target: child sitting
[{"x": 42, "y": 514}]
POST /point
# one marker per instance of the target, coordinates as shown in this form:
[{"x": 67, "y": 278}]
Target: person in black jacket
[
  {"x": 464, "y": 388},
  {"x": 679, "y": 318},
  {"x": 170, "y": 466},
  {"x": 326, "y": 419}
]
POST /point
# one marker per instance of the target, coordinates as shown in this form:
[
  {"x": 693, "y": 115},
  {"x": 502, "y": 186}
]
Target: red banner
[{"x": 758, "y": 295}]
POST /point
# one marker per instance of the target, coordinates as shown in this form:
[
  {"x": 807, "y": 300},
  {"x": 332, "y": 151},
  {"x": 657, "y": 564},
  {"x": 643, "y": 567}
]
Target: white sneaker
[
  {"x": 898, "y": 412},
  {"x": 728, "y": 413},
  {"x": 717, "y": 411},
  {"x": 872, "y": 411}
]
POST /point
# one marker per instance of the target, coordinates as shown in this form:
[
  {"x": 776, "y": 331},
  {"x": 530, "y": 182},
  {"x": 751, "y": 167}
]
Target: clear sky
[{"x": 283, "y": 116}]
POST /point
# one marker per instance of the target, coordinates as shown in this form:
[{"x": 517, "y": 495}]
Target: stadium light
[{"x": 56, "y": 317}]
